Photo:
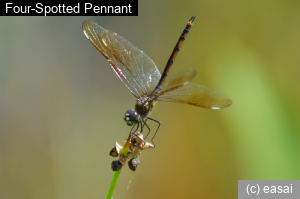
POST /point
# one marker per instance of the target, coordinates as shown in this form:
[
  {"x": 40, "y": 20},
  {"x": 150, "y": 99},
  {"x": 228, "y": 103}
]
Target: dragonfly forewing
[{"x": 133, "y": 67}]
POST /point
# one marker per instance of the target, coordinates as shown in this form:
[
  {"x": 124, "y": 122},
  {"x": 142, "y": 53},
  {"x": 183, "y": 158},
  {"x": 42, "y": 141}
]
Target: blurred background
[{"x": 62, "y": 106}]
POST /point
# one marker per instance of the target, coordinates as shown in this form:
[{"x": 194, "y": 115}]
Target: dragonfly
[{"x": 140, "y": 75}]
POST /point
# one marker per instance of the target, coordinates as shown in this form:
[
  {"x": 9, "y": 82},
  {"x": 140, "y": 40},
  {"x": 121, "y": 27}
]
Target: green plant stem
[{"x": 113, "y": 184}]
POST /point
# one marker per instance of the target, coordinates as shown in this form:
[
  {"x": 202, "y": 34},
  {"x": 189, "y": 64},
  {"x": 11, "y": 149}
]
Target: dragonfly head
[{"x": 131, "y": 117}]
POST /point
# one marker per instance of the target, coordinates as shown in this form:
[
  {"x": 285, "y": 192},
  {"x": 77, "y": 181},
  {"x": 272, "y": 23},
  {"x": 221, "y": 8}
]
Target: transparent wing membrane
[
  {"x": 178, "y": 80},
  {"x": 197, "y": 95},
  {"x": 133, "y": 67}
]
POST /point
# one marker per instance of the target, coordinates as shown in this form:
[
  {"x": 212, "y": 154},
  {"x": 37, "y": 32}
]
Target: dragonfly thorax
[{"x": 144, "y": 105}]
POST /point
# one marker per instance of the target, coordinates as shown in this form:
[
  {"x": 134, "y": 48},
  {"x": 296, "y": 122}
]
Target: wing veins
[{"x": 132, "y": 66}]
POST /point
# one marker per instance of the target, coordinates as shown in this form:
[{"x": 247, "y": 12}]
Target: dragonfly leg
[
  {"x": 144, "y": 121},
  {"x": 142, "y": 125},
  {"x": 135, "y": 129},
  {"x": 134, "y": 132},
  {"x": 132, "y": 128},
  {"x": 155, "y": 131}
]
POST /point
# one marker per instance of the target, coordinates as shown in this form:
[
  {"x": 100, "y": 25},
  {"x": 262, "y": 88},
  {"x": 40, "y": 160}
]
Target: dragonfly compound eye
[{"x": 131, "y": 117}]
